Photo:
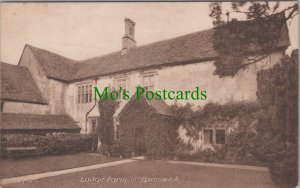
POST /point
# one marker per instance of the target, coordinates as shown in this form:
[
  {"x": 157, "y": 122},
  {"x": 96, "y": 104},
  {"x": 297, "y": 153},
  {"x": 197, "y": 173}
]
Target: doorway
[{"x": 139, "y": 141}]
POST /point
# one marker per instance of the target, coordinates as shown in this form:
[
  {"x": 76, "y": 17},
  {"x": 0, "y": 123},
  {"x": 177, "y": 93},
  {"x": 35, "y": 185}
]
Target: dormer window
[{"x": 84, "y": 93}]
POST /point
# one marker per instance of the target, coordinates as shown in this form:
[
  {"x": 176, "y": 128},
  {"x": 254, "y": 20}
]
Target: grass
[
  {"x": 25, "y": 166},
  {"x": 188, "y": 175}
]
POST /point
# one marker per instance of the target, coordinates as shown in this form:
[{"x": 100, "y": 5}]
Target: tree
[
  {"x": 278, "y": 121},
  {"x": 261, "y": 33}
]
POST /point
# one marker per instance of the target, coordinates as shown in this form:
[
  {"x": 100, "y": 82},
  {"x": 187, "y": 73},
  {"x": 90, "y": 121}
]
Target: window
[
  {"x": 220, "y": 136},
  {"x": 120, "y": 82},
  {"x": 148, "y": 82},
  {"x": 84, "y": 93},
  {"x": 208, "y": 136},
  {"x": 94, "y": 124},
  {"x": 214, "y": 136}
]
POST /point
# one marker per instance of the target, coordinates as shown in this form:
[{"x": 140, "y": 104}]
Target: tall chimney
[{"x": 128, "y": 39}]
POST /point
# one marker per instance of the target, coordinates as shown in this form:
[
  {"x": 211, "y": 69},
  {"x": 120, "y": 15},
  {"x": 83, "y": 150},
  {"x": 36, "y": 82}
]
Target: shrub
[
  {"x": 117, "y": 149},
  {"x": 104, "y": 150},
  {"x": 282, "y": 161},
  {"x": 278, "y": 123},
  {"x": 51, "y": 144}
]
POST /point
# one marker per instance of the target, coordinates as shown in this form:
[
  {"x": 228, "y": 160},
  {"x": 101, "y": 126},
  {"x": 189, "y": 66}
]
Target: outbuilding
[{"x": 147, "y": 127}]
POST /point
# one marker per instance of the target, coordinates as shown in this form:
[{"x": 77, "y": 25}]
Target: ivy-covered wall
[
  {"x": 230, "y": 116},
  {"x": 160, "y": 130}
]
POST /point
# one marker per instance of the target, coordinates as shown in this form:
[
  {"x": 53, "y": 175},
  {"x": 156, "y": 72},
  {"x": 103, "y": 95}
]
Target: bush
[
  {"x": 51, "y": 144},
  {"x": 117, "y": 149},
  {"x": 205, "y": 155},
  {"x": 282, "y": 160},
  {"x": 104, "y": 150}
]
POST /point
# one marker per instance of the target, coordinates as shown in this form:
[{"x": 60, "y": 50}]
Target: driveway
[{"x": 143, "y": 173}]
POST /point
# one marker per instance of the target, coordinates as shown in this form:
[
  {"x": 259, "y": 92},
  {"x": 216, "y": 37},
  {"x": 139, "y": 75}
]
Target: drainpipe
[{"x": 86, "y": 115}]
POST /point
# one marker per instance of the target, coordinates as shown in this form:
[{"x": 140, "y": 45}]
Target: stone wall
[
  {"x": 242, "y": 87},
  {"x": 52, "y": 91}
]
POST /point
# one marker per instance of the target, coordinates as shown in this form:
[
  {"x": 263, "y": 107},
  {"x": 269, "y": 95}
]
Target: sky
[{"x": 85, "y": 30}]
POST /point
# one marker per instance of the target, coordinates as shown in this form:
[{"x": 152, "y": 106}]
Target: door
[{"x": 139, "y": 141}]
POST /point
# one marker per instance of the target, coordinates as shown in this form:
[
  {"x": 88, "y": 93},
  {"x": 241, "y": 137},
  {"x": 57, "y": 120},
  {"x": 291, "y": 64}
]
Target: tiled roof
[
  {"x": 11, "y": 121},
  {"x": 54, "y": 65},
  {"x": 17, "y": 85},
  {"x": 189, "y": 48},
  {"x": 194, "y": 47}
]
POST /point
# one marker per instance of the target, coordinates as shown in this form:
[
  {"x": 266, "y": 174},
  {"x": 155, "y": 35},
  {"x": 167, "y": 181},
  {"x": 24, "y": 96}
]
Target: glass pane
[
  {"x": 82, "y": 94},
  {"x": 78, "y": 94},
  {"x": 208, "y": 136},
  {"x": 220, "y": 136}
]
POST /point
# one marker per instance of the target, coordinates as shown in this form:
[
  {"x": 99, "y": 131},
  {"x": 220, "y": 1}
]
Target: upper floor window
[
  {"x": 84, "y": 93},
  {"x": 120, "y": 82},
  {"x": 148, "y": 81}
]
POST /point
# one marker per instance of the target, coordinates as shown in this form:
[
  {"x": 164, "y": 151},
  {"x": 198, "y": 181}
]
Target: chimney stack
[{"x": 128, "y": 39}]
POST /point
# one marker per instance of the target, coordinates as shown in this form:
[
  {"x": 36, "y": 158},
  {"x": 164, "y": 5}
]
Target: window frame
[
  {"x": 220, "y": 129},
  {"x": 146, "y": 83},
  {"x": 118, "y": 84},
  {"x": 211, "y": 142},
  {"x": 84, "y": 93},
  {"x": 214, "y": 136}
]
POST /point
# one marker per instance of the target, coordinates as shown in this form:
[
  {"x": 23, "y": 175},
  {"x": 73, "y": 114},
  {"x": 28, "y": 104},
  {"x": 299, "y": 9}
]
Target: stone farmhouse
[{"x": 47, "y": 92}]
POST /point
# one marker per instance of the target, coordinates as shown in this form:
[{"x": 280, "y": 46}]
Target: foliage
[
  {"x": 161, "y": 139},
  {"x": 235, "y": 41},
  {"x": 194, "y": 120},
  {"x": 278, "y": 120},
  {"x": 160, "y": 134},
  {"x": 241, "y": 142},
  {"x": 104, "y": 150},
  {"x": 51, "y": 144},
  {"x": 117, "y": 149},
  {"x": 106, "y": 128}
]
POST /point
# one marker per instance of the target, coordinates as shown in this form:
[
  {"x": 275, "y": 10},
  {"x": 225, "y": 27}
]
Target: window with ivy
[
  {"x": 220, "y": 136},
  {"x": 208, "y": 136}
]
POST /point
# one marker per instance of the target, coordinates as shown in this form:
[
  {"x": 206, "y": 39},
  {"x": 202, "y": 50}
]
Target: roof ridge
[
  {"x": 47, "y": 51},
  {"x": 146, "y": 45}
]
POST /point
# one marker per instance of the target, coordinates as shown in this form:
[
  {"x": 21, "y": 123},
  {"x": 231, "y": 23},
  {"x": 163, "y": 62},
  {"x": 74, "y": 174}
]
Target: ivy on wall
[
  {"x": 278, "y": 120},
  {"x": 160, "y": 130},
  {"x": 106, "y": 128},
  {"x": 194, "y": 120}
]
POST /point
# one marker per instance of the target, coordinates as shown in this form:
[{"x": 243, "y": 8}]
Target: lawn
[
  {"x": 26, "y": 166},
  {"x": 183, "y": 175}
]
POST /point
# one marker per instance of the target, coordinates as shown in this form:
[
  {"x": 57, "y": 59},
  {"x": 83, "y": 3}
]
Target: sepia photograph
[{"x": 149, "y": 94}]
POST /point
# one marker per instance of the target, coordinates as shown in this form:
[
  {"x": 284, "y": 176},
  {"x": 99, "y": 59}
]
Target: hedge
[{"x": 50, "y": 144}]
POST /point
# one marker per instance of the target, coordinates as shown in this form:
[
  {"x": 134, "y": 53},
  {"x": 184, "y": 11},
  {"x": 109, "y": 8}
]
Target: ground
[
  {"x": 26, "y": 166},
  {"x": 141, "y": 171}
]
